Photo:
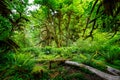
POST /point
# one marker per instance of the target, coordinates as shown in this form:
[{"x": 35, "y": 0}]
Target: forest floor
[
  {"x": 77, "y": 74},
  {"x": 66, "y": 72}
]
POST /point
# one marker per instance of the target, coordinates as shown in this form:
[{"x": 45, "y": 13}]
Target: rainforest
[{"x": 59, "y": 39}]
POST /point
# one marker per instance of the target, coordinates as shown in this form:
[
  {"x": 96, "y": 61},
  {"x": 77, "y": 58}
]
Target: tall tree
[
  {"x": 11, "y": 14},
  {"x": 59, "y": 21}
]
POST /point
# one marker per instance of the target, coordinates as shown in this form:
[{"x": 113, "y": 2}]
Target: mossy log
[
  {"x": 99, "y": 73},
  {"x": 108, "y": 68}
]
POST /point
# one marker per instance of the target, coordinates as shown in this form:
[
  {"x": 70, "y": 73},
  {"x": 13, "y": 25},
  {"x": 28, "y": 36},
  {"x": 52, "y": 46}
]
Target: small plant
[
  {"x": 40, "y": 72},
  {"x": 47, "y": 50},
  {"x": 25, "y": 60},
  {"x": 18, "y": 66},
  {"x": 111, "y": 54}
]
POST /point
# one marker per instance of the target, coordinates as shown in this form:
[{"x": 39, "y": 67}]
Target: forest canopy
[{"x": 60, "y": 21}]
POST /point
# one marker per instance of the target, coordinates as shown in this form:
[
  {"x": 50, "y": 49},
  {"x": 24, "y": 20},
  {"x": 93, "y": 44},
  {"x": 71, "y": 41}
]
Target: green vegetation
[{"x": 84, "y": 31}]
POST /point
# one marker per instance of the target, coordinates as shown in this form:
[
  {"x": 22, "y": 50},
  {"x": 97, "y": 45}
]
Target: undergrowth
[{"x": 21, "y": 65}]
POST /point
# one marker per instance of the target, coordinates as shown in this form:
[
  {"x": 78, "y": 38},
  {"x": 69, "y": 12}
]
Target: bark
[
  {"x": 113, "y": 70},
  {"x": 67, "y": 28},
  {"x": 110, "y": 69}
]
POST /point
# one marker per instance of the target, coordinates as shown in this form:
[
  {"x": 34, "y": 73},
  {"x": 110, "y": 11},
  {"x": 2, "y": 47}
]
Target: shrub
[
  {"x": 5, "y": 28},
  {"x": 18, "y": 65}
]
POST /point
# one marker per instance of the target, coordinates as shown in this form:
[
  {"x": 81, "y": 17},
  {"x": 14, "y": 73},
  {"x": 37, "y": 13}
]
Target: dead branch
[{"x": 88, "y": 19}]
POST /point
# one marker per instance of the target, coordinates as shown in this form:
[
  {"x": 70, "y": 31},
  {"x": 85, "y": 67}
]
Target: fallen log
[
  {"x": 108, "y": 68},
  {"x": 93, "y": 70},
  {"x": 113, "y": 70}
]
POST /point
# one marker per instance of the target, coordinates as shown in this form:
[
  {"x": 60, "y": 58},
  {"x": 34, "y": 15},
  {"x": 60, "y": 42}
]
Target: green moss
[{"x": 76, "y": 76}]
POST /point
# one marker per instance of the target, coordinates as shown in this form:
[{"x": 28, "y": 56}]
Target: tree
[
  {"x": 59, "y": 21},
  {"x": 106, "y": 13},
  {"x": 11, "y": 15}
]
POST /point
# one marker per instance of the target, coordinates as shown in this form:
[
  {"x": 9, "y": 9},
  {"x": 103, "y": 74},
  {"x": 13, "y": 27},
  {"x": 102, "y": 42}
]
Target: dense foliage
[{"x": 86, "y": 31}]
